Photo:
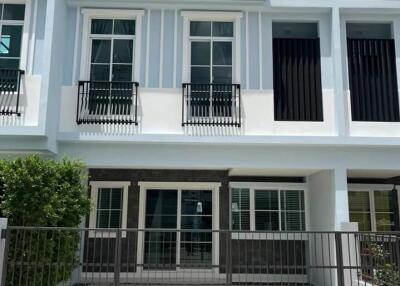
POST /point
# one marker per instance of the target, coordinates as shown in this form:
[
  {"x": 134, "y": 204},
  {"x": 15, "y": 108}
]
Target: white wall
[
  {"x": 160, "y": 112},
  {"x": 29, "y": 105}
]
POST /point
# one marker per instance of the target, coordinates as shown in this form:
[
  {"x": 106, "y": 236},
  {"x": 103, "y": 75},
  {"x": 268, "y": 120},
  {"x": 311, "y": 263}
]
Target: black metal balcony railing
[
  {"x": 10, "y": 91},
  {"x": 102, "y": 102},
  {"x": 211, "y": 104}
]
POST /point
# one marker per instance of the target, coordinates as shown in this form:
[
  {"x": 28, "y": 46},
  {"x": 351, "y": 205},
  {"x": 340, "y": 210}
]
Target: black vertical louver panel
[
  {"x": 373, "y": 80},
  {"x": 297, "y": 80}
]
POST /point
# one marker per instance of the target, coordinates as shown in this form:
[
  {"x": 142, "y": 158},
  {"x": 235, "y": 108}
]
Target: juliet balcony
[
  {"x": 211, "y": 104},
  {"x": 101, "y": 102},
  {"x": 10, "y": 90}
]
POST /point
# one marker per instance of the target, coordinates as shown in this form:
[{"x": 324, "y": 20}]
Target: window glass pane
[
  {"x": 200, "y": 75},
  {"x": 222, "y": 53},
  {"x": 100, "y": 72},
  {"x": 363, "y": 219},
  {"x": 161, "y": 221},
  {"x": 267, "y": 220},
  {"x": 201, "y": 52},
  {"x": 103, "y": 198},
  {"x": 160, "y": 250},
  {"x": 195, "y": 255},
  {"x": 385, "y": 222},
  {"x": 359, "y": 201},
  {"x": 116, "y": 199},
  {"x": 200, "y": 28},
  {"x": 123, "y": 51},
  {"x": 14, "y": 12},
  {"x": 161, "y": 202},
  {"x": 222, "y": 75},
  {"x": 266, "y": 200},
  {"x": 124, "y": 27},
  {"x": 293, "y": 221},
  {"x": 196, "y": 222},
  {"x": 101, "y": 50},
  {"x": 102, "y": 26},
  {"x": 223, "y": 29},
  {"x": 292, "y": 200},
  {"x": 11, "y": 37},
  {"x": 122, "y": 73},
  {"x": 196, "y": 203},
  {"x": 241, "y": 198},
  {"x": 9, "y": 64},
  {"x": 383, "y": 201},
  {"x": 115, "y": 219},
  {"x": 103, "y": 218},
  {"x": 241, "y": 220}
]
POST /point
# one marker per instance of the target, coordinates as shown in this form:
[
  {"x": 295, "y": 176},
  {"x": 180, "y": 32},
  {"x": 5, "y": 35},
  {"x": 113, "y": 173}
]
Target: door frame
[{"x": 179, "y": 186}]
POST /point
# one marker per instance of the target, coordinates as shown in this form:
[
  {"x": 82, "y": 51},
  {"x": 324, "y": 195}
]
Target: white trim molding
[
  {"x": 95, "y": 186},
  {"x": 235, "y": 17},
  {"x": 89, "y": 14}
]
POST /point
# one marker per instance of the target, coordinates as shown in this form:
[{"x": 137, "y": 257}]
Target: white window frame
[
  {"x": 252, "y": 187},
  {"x": 95, "y": 186},
  {"x": 370, "y": 189},
  {"x": 234, "y": 17},
  {"x": 25, "y": 29},
  {"x": 88, "y": 15},
  {"x": 179, "y": 186}
]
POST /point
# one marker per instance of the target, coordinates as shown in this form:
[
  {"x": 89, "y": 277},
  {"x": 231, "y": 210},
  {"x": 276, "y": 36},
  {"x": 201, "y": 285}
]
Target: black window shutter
[
  {"x": 297, "y": 80},
  {"x": 373, "y": 80}
]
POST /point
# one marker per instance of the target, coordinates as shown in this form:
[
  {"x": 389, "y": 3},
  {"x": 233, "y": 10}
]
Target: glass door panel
[
  {"x": 161, "y": 213},
  {"x": 196, "y": 245}
]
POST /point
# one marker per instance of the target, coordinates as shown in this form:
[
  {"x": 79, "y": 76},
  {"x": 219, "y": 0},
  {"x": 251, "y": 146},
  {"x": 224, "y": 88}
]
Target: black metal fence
[
  {"x": 101, "y": 102},
  {"x": 66, "y": 256},
  {"x": 10, "y": 91},
  {"x": 211, "y": 104}
]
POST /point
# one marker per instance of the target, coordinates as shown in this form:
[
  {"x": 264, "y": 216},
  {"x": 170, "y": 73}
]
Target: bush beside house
[{"x": 43, "y": 193}]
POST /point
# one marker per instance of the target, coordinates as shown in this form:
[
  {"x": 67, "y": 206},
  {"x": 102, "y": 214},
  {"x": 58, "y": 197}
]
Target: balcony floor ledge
[{"x": 336, "y": 141}]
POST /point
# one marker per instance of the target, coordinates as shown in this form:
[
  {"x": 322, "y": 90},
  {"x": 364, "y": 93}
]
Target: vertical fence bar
[
  {"x": 4, "y": 247},
  {"x": 339, "y": 259},
  {"x": 117, "y": 259}
]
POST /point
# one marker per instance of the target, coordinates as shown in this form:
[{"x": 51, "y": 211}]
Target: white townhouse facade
[{"x": 262, "y": 115}]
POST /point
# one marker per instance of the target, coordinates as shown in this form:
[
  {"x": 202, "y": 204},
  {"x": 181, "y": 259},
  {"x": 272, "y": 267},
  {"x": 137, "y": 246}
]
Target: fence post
[
  {"x": 117, "y": 259},
  {"x": 228, "y": 250},
  {"x": 339, "y": 259},
  {"x": 3, "y": 250}
]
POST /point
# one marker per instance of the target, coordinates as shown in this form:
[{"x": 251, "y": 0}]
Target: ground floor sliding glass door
[{"x": 178, "y": 222}]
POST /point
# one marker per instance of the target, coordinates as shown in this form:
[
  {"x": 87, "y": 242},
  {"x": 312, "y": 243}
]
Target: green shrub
[{"x": 43, "y": 193}]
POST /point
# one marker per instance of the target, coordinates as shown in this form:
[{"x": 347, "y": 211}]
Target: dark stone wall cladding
[{"x": 248, "y": 256}]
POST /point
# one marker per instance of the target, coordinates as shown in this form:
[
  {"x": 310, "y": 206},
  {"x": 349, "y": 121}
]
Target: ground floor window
[
  {"x": 373, "y": 207},
  {"x": 110, "y": 202},
  {"x": 268, "y": 207}
]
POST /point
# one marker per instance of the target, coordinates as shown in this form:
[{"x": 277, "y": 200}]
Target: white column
[
  {"x": 341, "y": 202},
  {"x": 351, "y": 252},
  {"x": 3, "y": 225},
  {"x": 341, "y": 113}
]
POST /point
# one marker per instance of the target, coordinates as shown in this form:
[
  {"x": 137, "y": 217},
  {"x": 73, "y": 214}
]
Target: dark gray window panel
[
  {"x": 373, "y": 80},
  {"x": 13, "y": 12},
  {"x": 297, "y": 80}
]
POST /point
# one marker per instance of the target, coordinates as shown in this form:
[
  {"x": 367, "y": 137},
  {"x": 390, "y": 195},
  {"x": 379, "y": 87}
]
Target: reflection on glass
[
  {"x": 196, "y": 246},
  {"x": 222, "y": 29},
  {"x": 200, "y": 28}
]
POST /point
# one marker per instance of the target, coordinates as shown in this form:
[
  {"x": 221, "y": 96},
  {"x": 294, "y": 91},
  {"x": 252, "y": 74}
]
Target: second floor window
[
  {"x": 211, "y": 52},
  {"x": 11, "y": 26},
  {"x": 112, "y": 49}
]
